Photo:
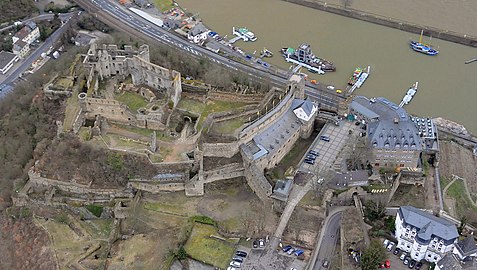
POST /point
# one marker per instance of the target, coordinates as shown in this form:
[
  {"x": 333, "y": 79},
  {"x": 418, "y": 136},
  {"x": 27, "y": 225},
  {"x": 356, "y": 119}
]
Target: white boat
[
  {"x": 364, "y": 75},
  {"x": 409, "y": 95},
  {"x": 244, "y": 34}
]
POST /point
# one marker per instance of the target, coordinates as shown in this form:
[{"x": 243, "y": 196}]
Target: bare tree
[
  {"x": 346, "y": 3},
  {"x": 360, "y": 154}
]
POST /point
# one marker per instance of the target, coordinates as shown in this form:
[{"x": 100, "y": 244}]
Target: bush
[
  {"x": 96, "y": 210},
  {"x": 204, "y": 220}
]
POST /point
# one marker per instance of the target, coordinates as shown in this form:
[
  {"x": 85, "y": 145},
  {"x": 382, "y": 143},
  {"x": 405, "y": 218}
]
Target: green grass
[
  {"x": 444, "y": 182},
  {"x": 463, "y": 203},
  {"x": 311, "y": 199},
  {"x": 163, "y": 207},
  {"x": 229, "y": 126},
  {"x": 134, "y": 101},
  {"x": 191, "y": 105},
  {"x": 204, "y": 248},
  {"x": 163, "y": 5},
  {"x": 95, "y": 209},
  {"x": 160, "y": 135}
]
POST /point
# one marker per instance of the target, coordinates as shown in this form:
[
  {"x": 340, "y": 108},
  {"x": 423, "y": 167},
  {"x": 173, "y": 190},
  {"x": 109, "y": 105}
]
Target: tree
[
  {"x": 373, "y": 256},
  {"x": 463, "y": 223},
  {"x": 374, "y": 209},
  {"x": 346, "y": 3},
  {"x": 360, "y": 154}
]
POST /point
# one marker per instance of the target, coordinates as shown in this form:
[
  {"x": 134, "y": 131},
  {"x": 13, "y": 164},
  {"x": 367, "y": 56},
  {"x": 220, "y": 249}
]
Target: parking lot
[
  {"x": 329, "y": 151},
  {"x": 396, "y": 263},
  {"x": 267, "y": 259}
]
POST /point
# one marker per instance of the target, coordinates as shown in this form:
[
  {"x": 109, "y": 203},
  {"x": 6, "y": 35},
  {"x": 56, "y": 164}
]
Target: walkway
[{"x": 295, "y": 197}]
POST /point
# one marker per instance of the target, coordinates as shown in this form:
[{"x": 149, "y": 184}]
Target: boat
[
  {"x": 359, "y": 82},
  {"x": 304, "y": 56},
  {"x": 265, "y": 53},
  {"x": 354, "y": 78},
  {"x": 409, "y": 95},
  {"x": 244, "y": 33},
  {"x": 424, "y": 48}
]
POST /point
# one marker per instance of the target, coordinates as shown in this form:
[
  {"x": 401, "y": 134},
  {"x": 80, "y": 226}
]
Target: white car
[
  {"x": 386, "y": 242},
  {"x": 235, "y": 264},
  {"x": 403, "y": 256},
  {"x": 261, "y": 243},
  {"x": 231, "y": 268},
  {"x": 390, "y": 246}
]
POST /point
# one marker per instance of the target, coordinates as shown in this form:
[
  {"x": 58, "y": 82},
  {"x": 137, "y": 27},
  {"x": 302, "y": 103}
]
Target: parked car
[
  {"x": 396, "y": 251},
  {"x": 313, "y": 152},
  {"x": 418, "y": 265},
  {"x": 309, "y": 161},
  {"x": 387, "y": 264},
  {"x": 326, "y": 263},
  {"x": 298, "y": 252},
  {"x": 390, "y": 246},
  {"x": 231, "y": 268},
  {"x": 237, "y": 259},
  {"x": 325, "y": 138},
  {"x": 286, "y": 248},
  {"x": 403, "y": 256},
  {"x": 261, "y": 243},
  {"x": 411, "y": 264},
  {"x": 235, "y": 264},
  {"x": 240, "y": 253},
  {"x": 290, "y": 251},
  {"x": 406, "y": 261},
  {"x": 255, "y": 244},
  {"x": 385, "y": 242},
  {"x": 313, "y": 157}
]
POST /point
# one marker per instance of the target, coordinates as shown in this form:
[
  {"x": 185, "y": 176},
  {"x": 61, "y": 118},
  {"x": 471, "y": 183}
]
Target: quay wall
[{"x": 390, "y": 22}]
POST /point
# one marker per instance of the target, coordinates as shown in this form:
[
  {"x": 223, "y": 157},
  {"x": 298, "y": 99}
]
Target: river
[{"x": 447, "y": 87}]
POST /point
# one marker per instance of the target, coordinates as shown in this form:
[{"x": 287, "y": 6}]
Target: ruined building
[{"x": 110, "y": 61}]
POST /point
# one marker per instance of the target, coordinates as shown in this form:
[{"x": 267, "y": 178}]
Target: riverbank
[{"x": 448, "y": 35}]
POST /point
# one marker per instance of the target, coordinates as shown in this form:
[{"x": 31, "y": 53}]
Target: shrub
[{"x": 96, "y": 210}]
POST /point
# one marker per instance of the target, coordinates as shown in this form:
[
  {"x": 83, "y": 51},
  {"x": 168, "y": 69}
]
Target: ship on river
[{"x": 304, "y": 56}]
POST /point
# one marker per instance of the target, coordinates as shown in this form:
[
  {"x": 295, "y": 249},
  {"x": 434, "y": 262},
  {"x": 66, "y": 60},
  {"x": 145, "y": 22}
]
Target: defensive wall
[{"x": 389, "y": 22}]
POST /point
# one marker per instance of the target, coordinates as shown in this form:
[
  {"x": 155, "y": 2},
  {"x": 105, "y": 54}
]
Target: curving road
[{"x": 113, "y": 12}]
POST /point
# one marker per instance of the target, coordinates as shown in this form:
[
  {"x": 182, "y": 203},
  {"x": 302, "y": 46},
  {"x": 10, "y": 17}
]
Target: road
[
  {"x": 41, "y": 17},
  {"x": 113, "y": 12},
  {"x": 26, "y": 63}
]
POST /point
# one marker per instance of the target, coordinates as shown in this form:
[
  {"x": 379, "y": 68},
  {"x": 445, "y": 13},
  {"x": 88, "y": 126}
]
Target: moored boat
[
  {"x": 421, "y": 47},
  {"x": 354, "y": 78},
  {"x": 304, "y": 56},
  {"x": 244, "y": 33}
]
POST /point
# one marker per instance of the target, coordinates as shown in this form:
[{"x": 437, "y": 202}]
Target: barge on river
[{"x": 303, "y": 56}]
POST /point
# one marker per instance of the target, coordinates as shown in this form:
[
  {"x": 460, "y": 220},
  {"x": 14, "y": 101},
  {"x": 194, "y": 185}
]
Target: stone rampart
[
  {"x": 227, "y": 150},
  {"x": 390, "y": 22},
  {"x": 36, "y": 180},
  {"x": 235, "y": 97},
  {"x": 228, "y": 171},
  {"x": 156, "y": 188}
]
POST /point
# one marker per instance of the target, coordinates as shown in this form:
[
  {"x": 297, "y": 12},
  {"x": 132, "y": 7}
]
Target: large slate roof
[
  {"x": 467, "y": 246},
  {"x": 427, "y": 224},
  {"x": 394, "y": 128}
]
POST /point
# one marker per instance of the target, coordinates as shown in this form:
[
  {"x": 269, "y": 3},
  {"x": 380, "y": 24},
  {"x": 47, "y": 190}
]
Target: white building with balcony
[{"x": 423, "y": 235}]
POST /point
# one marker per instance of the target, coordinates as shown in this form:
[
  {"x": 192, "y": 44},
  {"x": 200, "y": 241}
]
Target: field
[
  {"x": 409, "y": 195},
  {"x": 134, "y": 101},
  {"x": 205, "y": 248},
  {"x": 163, "y": 5},
  {"x": 228, "y": 127}
]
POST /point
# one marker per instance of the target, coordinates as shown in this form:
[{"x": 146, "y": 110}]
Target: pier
[
  {"x": 308, "y": 67},
  {"x": 235, "y": 39},
  {"x": 409, "y": 95}
]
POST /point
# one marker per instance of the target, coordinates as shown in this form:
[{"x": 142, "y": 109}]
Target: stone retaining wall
[{"x": 390, "y": 22}]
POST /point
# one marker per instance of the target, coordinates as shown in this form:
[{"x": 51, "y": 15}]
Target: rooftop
[
  {"x": 394, "y": 128},
  {"x": 427, "y": 224},
  {"x": 282, "y": 189},
  {"x": 467, "y": 246},
  {"x": 198, "y": 29},
  {"x": 5, "y": 58},
  {"x": 22, "y": 33}
]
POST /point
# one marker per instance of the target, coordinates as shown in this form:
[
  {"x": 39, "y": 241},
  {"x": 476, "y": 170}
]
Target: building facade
[
  {"x": 397, "y": 139},
  {"x": 423, "y": 235},
  {"x": 7, "y": 60},
  {"x": 28, "y": 34},
  {"x": 21, "y": 49}
]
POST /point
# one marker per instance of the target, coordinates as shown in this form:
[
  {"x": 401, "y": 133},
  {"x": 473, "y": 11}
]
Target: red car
[{"x": 386, "y": 264}]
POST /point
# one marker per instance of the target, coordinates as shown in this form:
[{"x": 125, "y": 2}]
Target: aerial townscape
[{"x": 238, "y": 135}]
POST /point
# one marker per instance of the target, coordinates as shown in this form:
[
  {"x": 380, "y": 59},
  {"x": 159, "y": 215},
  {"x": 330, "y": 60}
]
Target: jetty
[
  {"x": 471, "y": 60},
  {"x": 364, "y": 75},
  {"x": 409, "y": 95}
]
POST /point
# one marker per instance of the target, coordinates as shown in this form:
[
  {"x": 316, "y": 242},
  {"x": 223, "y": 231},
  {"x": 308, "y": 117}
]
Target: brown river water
[{"x": 447, "y": 86}]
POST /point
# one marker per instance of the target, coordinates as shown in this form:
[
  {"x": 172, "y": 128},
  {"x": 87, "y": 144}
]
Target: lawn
[
  {"x": 160, "y": 135},
  {"x": 212, "y": 106},
  {"x": 462, "y": 201},
  {"x": 164, "y": 207},
  {"x": 229, "y": 126},
  {"x": 163, "y": 5},
  {"x": 202, "y": 247},
  {"x": 408, "y": 195},
  {"x": 134, "y": 101}
]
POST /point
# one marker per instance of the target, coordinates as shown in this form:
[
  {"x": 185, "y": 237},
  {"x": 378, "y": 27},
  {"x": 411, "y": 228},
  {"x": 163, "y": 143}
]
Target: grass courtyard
[{"x": 203, "y": 247}]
